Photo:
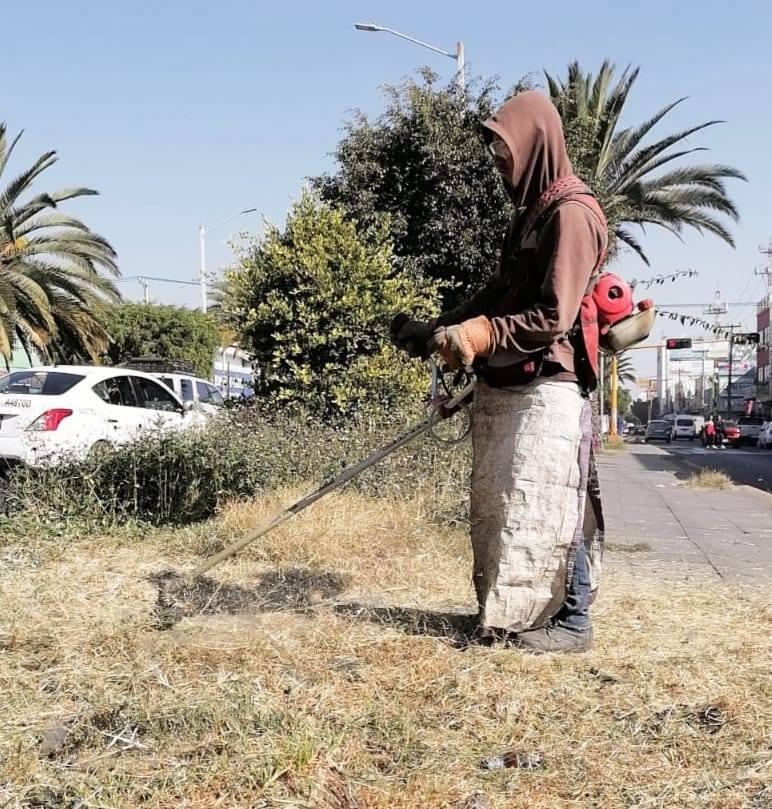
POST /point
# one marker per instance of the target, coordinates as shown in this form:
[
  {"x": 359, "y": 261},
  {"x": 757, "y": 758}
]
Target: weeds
[
  {"x": 709, "y": 479},
  {"x": 177, "y": 479},
  {"x": 613, "y": 444}
]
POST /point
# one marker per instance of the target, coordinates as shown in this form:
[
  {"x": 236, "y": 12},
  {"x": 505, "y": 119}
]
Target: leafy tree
[
  {"x": 55, "y": 273},
  {"x": 313, "y": 301},
  {"x": 624, "y": 400},
  {"x": 169, "y": 332},
  {"x": 422, "y": 162},
  {"x": 624, "y": 171}
]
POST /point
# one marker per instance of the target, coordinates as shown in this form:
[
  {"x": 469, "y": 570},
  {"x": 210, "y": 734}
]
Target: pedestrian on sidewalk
[
  {"x": 536, "y": 556},
  {"x": 710, "y": 433},
  {"x": 720, "y": 432}
]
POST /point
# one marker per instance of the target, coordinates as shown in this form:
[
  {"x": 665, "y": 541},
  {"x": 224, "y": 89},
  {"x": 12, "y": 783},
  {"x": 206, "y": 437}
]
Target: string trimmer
[{"x": 441, "y": 408}]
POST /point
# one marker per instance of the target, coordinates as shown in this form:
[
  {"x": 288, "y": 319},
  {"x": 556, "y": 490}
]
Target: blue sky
[{"x": 184, "y": 113}]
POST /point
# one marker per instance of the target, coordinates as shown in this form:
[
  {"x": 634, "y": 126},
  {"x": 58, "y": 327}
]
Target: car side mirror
[{"x": 187, "y": 407}]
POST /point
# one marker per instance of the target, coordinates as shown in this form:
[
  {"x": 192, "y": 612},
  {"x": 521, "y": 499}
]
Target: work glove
[
  {"x": 459, "y": 346},
  {"x": 411, "y": 336}
]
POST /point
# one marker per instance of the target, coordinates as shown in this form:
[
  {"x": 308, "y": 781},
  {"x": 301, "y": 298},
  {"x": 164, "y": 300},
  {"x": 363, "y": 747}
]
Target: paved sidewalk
[{"x": 651, "y": 516}]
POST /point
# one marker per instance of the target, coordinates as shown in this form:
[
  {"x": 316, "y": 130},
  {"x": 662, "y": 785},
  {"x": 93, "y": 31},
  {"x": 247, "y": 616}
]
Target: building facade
[{"x": 233, "y": 372}]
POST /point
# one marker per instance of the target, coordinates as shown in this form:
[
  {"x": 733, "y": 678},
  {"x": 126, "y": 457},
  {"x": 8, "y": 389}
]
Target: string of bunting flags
[
  {"x": 658, "y": 280},
  {"x": 719, "y": 331}
]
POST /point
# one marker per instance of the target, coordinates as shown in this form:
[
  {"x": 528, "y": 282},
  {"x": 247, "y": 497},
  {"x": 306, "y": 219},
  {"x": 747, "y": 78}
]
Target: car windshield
[
  {"x": 39, "y": 383},
  {"x": 658, "y": 424},
  {"x": 752, "y": 420},
  {"x": 730, "y": 425},
  {"x": 684, "y": 422}
]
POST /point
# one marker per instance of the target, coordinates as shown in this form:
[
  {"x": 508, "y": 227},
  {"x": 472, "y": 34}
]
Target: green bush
[
  {"x": 176, "y": 479},
  {"x": 313, "y": 302},
  {"x": 169, "y": 332}
]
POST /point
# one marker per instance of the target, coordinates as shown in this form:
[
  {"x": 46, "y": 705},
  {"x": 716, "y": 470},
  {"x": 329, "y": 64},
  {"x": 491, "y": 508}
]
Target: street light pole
[
  {"x": 458, "y": 55},
  {"x": 202, "y": 251},
  {"x": 460, "y": 64}
]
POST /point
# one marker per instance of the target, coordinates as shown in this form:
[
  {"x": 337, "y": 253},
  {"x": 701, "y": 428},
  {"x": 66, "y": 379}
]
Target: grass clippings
[
  {"x": 324, "y": 668},
  {"x": 628, "y": 548},
  {"x": 709, "y": 479}
]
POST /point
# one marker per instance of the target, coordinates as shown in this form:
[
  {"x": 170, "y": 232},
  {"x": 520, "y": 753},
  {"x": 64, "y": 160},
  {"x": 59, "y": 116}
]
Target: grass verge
[{"x": 328, "y": 666}]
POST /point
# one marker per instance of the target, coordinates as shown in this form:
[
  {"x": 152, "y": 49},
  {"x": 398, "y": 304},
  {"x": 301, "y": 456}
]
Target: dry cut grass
[
  {"x": 613, "y": 444},
  {"x": 330, "y": 667},
  {"x": 710, "y": 479}
]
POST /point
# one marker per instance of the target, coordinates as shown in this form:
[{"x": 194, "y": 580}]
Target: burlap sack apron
[{"x": 529, "y": 505}]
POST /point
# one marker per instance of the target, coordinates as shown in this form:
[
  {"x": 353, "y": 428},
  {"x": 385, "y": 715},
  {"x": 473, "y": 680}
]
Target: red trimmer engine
[{"x": 621, "y": 323}]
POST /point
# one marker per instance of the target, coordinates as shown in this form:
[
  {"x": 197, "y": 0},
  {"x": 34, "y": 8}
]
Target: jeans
[{"x": 575, "y": 612}]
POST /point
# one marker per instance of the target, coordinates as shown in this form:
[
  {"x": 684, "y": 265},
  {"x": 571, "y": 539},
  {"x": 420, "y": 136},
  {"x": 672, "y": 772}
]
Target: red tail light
[{"x": 50, "y": 420}]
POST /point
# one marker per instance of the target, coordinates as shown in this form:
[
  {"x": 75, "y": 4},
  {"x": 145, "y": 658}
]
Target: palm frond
[
  {"x": 626, "y": 173},
  {"x": 56, "y": 275}
]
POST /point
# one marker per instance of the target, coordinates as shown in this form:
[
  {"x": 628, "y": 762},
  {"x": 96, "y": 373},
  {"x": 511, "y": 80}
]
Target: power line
[
  {"x": 698, "y": 305},
  {"x": 164, "y": 280},
  {"x": 660, "y": 279}
]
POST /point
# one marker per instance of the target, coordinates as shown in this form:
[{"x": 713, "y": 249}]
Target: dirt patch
[
  {"x": 294, "y": 589},
  {"x": 459, "y": 629}
]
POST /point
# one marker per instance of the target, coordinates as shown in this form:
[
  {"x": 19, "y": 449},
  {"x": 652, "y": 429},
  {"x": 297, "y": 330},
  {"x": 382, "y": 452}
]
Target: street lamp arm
[
  {"x": 230, "y": 219},
  {"x": 373, "y": 27}
]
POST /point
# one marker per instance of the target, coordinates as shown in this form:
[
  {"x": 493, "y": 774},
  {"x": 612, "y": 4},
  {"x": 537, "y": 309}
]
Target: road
[
  {"x": 748, "y": 465},
  {"x": 653, "y": 519}
]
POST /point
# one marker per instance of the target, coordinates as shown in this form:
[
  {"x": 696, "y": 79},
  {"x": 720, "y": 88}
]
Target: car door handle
[{"x": 112, "y": 421}]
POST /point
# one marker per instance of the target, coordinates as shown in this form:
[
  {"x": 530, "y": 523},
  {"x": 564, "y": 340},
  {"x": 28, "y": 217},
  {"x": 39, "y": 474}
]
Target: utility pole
[
  {"x": 767, "y": 272},
  {"x": 601, "y": 387},
  {"x": 614, "y": 392},
  {"x": 729, "y": 379},
  {"x": 731, "y": 328},
  {"x": 202, "y": 277},
  {"x": 145, "y": 289}
]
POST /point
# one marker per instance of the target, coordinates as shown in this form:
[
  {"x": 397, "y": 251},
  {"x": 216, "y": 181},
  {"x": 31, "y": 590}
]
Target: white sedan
[
  {"x": 765, "y": 435},
  {"x": 50, "y": 414}
]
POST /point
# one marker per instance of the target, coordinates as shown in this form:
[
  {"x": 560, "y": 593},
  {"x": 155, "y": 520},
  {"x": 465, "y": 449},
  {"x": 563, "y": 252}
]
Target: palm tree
[
  {"x": 623, "y": 172},
  {"x": 56, "y": 275},
  {"x": 625, "y": 370}
]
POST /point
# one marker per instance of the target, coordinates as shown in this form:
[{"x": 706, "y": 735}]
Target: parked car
[
  {"x": 48, "y": 414},
  {"x": 765, "y": 435},
  {"x": 688, "y": 426},
  {"x": 659, "y": 430},
  {"x": 750, "y": 428},
  {"x": 204, "y": 395},
  {"x": 732, "y": 435}
]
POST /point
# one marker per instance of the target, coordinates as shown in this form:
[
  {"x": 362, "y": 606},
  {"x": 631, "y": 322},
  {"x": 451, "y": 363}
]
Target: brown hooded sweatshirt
[{"x": 534, "y": 298}]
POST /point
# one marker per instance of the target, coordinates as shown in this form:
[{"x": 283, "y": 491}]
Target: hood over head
[{"x": 530, "y": 125}]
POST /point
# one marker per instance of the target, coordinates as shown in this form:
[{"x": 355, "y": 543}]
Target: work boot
[{"x": 554, "y": 638}]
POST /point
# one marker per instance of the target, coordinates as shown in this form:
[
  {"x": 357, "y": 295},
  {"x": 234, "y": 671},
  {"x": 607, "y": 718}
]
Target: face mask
[{"x": 502, "y": 157}]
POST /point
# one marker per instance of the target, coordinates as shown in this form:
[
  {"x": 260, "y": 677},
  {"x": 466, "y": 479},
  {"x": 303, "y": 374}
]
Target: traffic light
[{"x": 678, "y": 342}]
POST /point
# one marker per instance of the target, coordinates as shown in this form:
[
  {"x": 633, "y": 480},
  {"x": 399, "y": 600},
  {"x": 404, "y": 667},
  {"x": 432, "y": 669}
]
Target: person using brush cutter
[{"x": 531, "y": 335}]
